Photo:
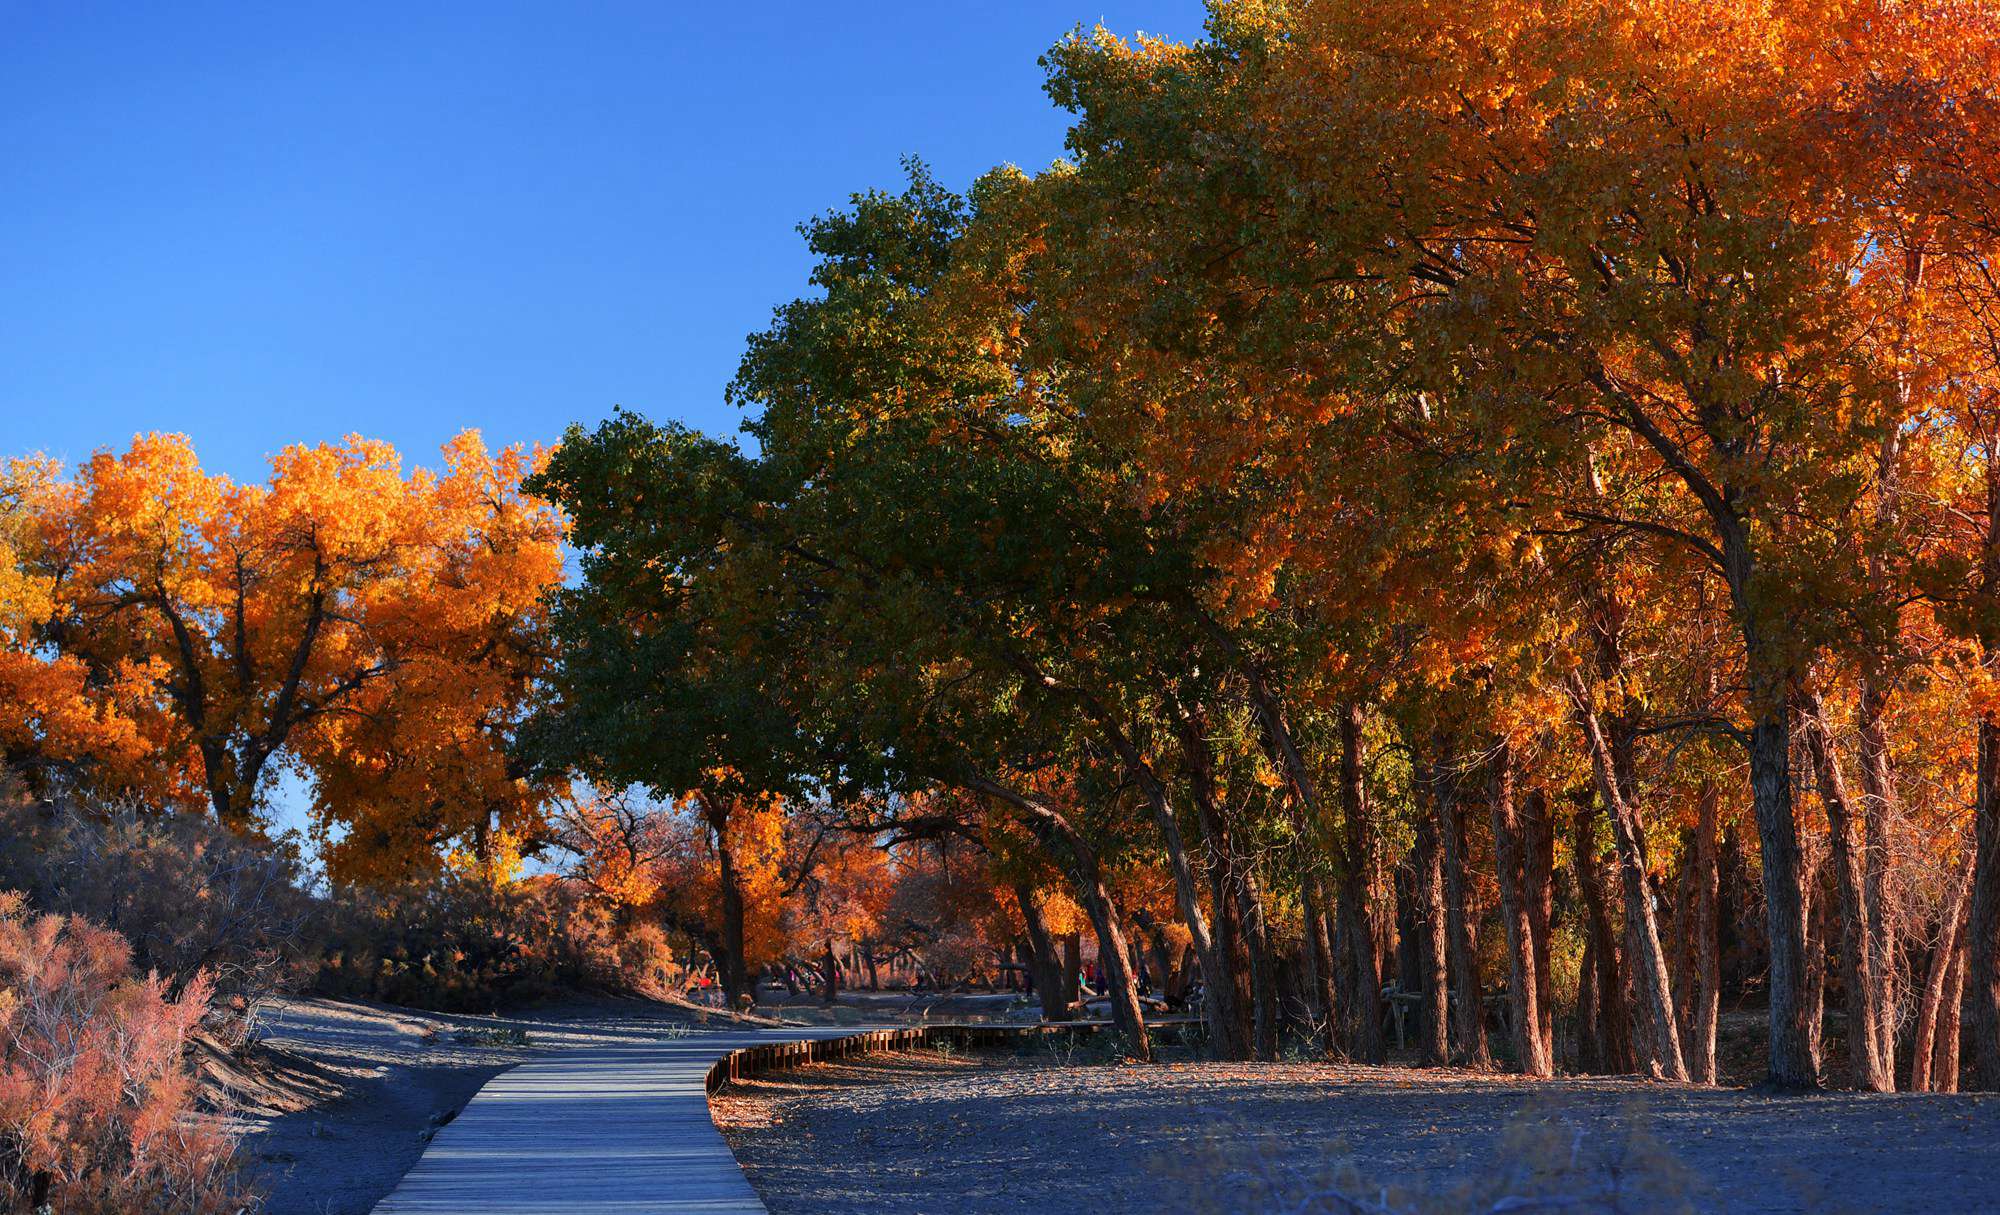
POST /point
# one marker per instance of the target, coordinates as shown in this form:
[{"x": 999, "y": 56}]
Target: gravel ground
[{"x": 986, "y": 1133}]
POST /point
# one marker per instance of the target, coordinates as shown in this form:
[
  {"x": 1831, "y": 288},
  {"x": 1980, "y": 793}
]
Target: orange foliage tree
[{"x": 175, "y": 634}]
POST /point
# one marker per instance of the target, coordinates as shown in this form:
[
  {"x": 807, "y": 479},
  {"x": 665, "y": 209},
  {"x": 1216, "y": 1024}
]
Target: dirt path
[{"x": 940, "y": 1134}]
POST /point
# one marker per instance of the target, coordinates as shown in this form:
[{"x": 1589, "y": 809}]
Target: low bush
[
  {"x": 646, "y": 961},
  {"x": 461, "y": 944},
  {"x": 190, "y": 896},
  {"x": 97, "y": 1105}
]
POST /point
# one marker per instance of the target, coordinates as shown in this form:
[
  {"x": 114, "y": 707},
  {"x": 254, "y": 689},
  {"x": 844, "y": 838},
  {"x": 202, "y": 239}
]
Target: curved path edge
[
  {"x": 626, "y": 1130},
  {"x": 611, "y": 1131}
]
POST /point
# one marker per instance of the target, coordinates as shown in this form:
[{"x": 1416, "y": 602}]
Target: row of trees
[
  {"x": 1416, "y": 471},
  {"x": 1413, "y": 477}
]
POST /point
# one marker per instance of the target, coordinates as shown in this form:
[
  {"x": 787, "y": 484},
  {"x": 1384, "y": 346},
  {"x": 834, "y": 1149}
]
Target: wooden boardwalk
[{"x": 617, "y": 1131}]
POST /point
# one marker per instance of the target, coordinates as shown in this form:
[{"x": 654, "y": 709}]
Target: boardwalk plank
[{"x": 619, "y": 1130}]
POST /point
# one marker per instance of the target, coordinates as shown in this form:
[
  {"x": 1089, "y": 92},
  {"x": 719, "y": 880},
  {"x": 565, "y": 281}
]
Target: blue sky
[
  {"x": 260, "y": 224},
  {"x": 266, "y": 224}
]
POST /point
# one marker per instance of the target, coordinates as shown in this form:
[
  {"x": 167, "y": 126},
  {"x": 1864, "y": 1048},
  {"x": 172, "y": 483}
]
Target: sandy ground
[{"x": 987, "y": 1133}]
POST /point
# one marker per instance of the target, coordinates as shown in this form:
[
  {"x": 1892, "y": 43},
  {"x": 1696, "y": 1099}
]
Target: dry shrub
[
  {"x": 460, "y": 943},
  {"x": 956, "y": 954},
  {"x": 97, "y": 1104},
  {"x": 646, "y": 961},
  {"x": 191, "y": 896}
]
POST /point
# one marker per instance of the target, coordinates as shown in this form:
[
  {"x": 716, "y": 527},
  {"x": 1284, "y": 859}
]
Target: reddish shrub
[
  {"x": 646, "y": 961},
  {"x": 97, "y": 1109}
]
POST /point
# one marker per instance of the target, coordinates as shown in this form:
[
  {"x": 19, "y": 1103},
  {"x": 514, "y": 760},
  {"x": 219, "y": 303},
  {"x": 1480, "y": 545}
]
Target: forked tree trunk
[
  {"x": 1945, "y": 1072},
  {"x": 1611, "y": 1028},
  {"x": 1951, "y": 938},
  {"x": 1239, "y": 914},
  {"x": 1068, "y": 847},
  {"x": 1304, "y": 803},
  {"x": 1510, "y": 862},
  {"x": 1218, "y": 980},
  {"x": 1660, "y": 1046},
  {"x": 1871, "y": 1071}
]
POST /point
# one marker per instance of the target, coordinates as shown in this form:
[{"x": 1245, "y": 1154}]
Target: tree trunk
[
  {"x": 1817, "y": 927},
  {"x": 1951, "y": 936},
  {"x": 1072, "y": 944},
  {"x": 736, "y": 984},
  {"x": 1365, "y": 1040},
  {"x": 1304, "y": 804},
  {"x": 1793, "y": 1063},
  {"x": 1982, "y": 972},
  {"x": 1319, "y": 952},
  {"x": 830, "y": 975},
  {"x": 1239, "y": 914},
  {"x": 1218, "y": 981},
  {"x": 1263, "y": 961},
  {"x": 1612, "y": 1030},
  {"x": 1406, "y": 969},
  {"x": 1660, "y": 1043},
  {"x": 1885, "y": 928},
  {"x": 1434, "y": 1046},
  {"x": 1704, "y": 942},
  {"x": 1590, "y": 1052},
  {"x": 1460, "y": 928},
  {"x": 1060, "y": 838},
  {"x": 1126, "y": 1012},
  {"x": 1510, "y": 862},
  {"x": 1944, "y": 1062},
  {"x": 1870, "y": 1070},
  {"x": 1539, "y": 833},
  {"x": 1042, "y": 960}
]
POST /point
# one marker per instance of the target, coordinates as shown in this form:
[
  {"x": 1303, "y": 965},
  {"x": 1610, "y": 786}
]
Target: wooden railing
[{"x": 777, "y": 1056}]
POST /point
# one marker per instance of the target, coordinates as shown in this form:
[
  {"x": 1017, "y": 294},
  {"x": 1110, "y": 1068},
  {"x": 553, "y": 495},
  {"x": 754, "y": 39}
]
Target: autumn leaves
[
  {"x": 180, "y": 637},
  {"x": 1588, "y": 400},
  {"x": 1397, "y": 428}
]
